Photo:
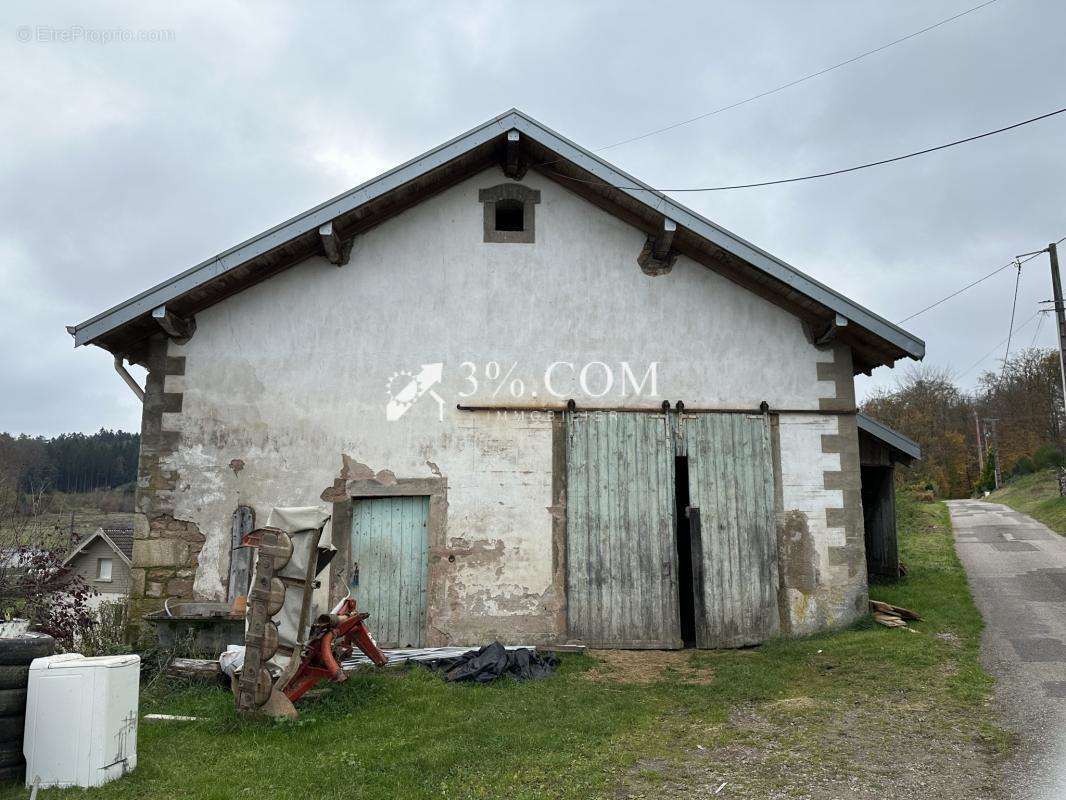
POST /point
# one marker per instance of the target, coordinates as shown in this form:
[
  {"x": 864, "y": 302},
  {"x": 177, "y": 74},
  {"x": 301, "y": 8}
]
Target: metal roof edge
[
  {"x": 892, "y": 438},
  {"x": 85, "y": 332},
  {"x": 770, "y": 264}
]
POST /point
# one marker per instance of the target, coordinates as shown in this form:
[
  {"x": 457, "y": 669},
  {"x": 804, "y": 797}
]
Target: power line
[
  {"x": 1019, "y": 260},
  {"x": 1013, "y": 308},
  {"x": 1039, "y": 325},
  {"x": 994, "y": 349},
  {"x": 779, "y": 181},
  {"x": 790, "y": 84},
  {"x": 957, "y": 292}
]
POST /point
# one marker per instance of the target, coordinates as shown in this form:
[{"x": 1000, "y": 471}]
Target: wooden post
[
  {"x": 980, "y": 444},
  {"x": 240, "y": 564}
]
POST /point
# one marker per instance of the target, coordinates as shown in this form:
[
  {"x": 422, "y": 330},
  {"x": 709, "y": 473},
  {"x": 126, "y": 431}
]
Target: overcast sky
[{"x": 125, "y": 162}]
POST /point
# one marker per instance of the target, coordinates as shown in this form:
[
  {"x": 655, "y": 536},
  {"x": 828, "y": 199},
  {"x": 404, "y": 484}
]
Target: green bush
[
  {"x": 1023, "y": 466},
  {"x": 1047, "y": 456},
  {"x": 987, "y": 481}
]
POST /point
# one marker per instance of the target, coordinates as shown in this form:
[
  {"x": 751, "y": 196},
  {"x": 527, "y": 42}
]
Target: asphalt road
[{"x": 1017, "y": 571}]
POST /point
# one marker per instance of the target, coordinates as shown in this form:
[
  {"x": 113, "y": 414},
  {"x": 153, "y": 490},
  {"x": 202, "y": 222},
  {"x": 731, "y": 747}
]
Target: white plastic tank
[{"x": 81, "y": 719}]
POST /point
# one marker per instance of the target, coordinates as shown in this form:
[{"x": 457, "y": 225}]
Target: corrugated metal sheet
[
  {"x": 731, "y": 481},
  {"x": 621, "y": 548},
  {"x": 389, "y": 566}
]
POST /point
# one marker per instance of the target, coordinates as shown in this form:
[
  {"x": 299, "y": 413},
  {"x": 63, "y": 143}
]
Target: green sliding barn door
[
  {"x": 621, "y": 551},
  {"x": 389, "y": 566},
  {"x": 731, "y": 482}
]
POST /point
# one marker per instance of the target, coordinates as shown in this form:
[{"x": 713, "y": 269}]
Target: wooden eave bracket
[
  {"x": 337, "y": 251},
  {"x": 827, "y": 333},
  {"x": 514, "y": 166},
  {"x": 657, "y": 257},
  {"x": 180, "y": 329}
]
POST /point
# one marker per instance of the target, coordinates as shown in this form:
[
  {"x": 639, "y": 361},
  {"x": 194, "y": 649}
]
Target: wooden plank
[
  {"x": 240, "y": 564},
  {"x": 577, "y": 537},
  {"x": 731, "y": 482},
  {"x": 629, "y": 521},
  {"x": 898, "y": 611},
  {"x": 879, "y": 520},
  {"x": 664, "y": 488},
  {"x": 621, "y": 552},
  {"x": 390, "y": 544},
  {"x": 618, "y": 584},
  {"x": 198, "y": 669}
]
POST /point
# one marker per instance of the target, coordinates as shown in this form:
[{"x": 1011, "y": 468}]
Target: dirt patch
[
  {"x": 804, "y": 748},
  {"x": 647, "y": 666}
]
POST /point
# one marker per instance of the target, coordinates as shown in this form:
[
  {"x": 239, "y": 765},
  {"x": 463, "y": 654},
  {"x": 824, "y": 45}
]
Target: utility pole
[
  {"x": 1060, "y": 312},
  {"x": 1060, "y": 315},
  {"x": 990, "y": 422},
  {"x": 980, "y": 443},
  {"x": 995, "y": 444}
]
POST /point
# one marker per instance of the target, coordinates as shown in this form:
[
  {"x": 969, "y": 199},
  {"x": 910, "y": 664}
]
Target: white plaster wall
[
  {"x": 289, "y": 374},
  {"x": 803, "y": 466}
]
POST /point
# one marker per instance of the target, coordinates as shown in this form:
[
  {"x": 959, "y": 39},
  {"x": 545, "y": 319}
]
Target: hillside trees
[{"x": 1021, "y": 403}]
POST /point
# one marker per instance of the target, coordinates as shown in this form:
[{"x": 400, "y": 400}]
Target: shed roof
[
  {"x": 893, "y": 439},
  {"x": 124, "y": 328}
]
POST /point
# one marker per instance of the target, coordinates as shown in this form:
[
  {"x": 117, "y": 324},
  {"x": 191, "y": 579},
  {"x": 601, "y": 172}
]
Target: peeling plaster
[{"x": 247, "y": 377}]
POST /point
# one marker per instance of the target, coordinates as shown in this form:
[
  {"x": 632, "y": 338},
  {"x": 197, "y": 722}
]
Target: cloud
[{"x": 125, "y": 163}]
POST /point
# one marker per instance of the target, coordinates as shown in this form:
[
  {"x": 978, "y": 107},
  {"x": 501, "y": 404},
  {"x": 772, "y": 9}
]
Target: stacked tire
[{"x": 16, "y": 653}]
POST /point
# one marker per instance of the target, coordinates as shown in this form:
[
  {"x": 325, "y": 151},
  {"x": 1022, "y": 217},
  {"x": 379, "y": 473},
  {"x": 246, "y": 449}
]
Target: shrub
[
  {"x": 35, "y": 584},
  {"x": 108, "y": 636},
  {"x": 1047, "y": 456},
  {"x": 987, "y": 481},
  {"x": 1023, "y": 466}
]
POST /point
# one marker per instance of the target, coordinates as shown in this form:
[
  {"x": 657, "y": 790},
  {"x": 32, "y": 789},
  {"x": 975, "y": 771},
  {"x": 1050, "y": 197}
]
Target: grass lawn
[
  {"x": 867, "y": 712},
  {"x": 1036, "y": 495}
]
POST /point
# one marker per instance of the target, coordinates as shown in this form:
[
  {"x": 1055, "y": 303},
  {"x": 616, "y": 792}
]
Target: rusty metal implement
[{"x": 333, "y": 638}]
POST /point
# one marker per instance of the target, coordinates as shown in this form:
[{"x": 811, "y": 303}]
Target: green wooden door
[
  {"x": 621, "y": 559},
  {"x": 731, "y": 482},
  {"x": 389, "y": 567}
]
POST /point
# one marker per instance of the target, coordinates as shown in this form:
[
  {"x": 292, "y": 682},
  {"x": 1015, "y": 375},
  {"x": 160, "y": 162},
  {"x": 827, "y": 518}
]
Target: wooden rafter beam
[
  {"x": 513, "y": 167},
  {"x": 179, "y": 328},
  {"x": 831, "y": 331},
  {"x": 665, "y": 240},
  {"x": 658, "y": 254},
  {"x": 337, "y": 250}
]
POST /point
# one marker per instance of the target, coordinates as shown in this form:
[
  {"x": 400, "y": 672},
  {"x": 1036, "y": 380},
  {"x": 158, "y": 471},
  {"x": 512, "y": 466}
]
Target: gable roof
[
  {"x": 124, "y": 329},
  {"x": 118, "y": 539},
  {"x": 907, "y": 448}
]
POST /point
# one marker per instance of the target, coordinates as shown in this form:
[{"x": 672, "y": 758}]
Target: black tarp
[{"x": 495, "y": 661}]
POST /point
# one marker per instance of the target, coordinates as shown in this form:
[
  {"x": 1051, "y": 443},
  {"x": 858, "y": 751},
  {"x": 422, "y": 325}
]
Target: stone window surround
[{"x": 510, "y": 191}]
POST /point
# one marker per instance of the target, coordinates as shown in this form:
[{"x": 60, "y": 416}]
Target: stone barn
[{"x": 542, "y": 401}]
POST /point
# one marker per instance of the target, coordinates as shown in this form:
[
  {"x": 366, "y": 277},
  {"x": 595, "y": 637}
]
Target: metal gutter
[
  {"x": 162, "y": 293},
  {"x": 892, "y": 438},
  {"x": 134, "y": 387}
]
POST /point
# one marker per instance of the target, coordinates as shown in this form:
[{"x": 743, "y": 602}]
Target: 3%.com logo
[{"x": 405, "y": 389}]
